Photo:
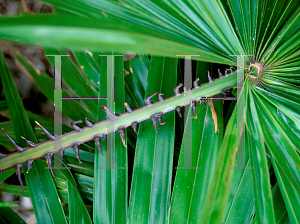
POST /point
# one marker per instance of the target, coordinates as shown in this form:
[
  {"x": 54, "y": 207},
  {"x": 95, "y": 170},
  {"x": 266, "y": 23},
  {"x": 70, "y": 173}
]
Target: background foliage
[{"x": 149, "y": 189}]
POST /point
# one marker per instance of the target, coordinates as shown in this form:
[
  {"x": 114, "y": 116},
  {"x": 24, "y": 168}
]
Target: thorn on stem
[
  {"x": 51, "y": 136},
  {"x": 48, "y": 157},
  {"x": 148, "y": 99},
  {"x": 75, "y": 126},
  {"x": 18, "y": 172},
  {"x": 98, "y": 144},
  {"x": 88, "y": 123},
  {"x": 17, "y": 147},
  {"x": 176, "y": 89},
  {"x": 76, "y": 151}
]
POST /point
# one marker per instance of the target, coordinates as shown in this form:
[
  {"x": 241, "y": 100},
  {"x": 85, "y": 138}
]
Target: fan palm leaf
[{"x": 266, "y": 35}]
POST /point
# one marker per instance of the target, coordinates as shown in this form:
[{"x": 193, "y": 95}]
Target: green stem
[{"x": 124, "y": 120}]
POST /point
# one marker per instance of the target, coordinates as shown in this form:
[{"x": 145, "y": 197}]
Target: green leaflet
[
  {"x": 106, "y": 34},
  {"x": 191, "y": 183},
  {"x": 110, "y": 170},
  {"x": 200, "y": 147},
  {"x": 260, "y": 173},
  {"x": 40, "y": 183},
  {"x": 266, "y": 30},
  {"x": 72, "y": 109},
  {"x": 8, "y": 216},
  {"x": 74, "y": 79},
  {"x": 152, "y": 171},
  {"x": 219, "y": 186}
]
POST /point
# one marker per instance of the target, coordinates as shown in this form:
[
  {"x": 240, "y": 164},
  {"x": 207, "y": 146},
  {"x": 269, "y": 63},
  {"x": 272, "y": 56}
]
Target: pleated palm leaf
[{"x": 265, "y": 34}]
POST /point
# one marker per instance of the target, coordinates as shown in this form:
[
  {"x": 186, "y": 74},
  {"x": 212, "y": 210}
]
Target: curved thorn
[
  {"x": 178, "y": 109},
  {"x": 154, "y": 120},
  {"x": 29, "y": 165},
  {"x": 225, "y": 92},
  {"x": 103, "y": 137},
  {"x": 194, "y": 105},
  {"x": 17, "y": 147},
  {"x": 209, "y": 77},
  {"x": 226, "y": 72},
  {"x": 76, "y": 151},
  {"x": 30, "y": 143},
  {"x": 48, "y": 157},
  {"x": 128, "y": 108},
  {"x": 75, "y": 126},
  {"x": 98, "y": 144},
  {"x": 110, "y": 115},
  {"x": 159, "y": 117},
  {"x": 135, "y": 126},
  {"x": 231, "y": 70},
  {"x": 148, "y": 99},
  {"x": 62, "y": 152},
  {"x": 176, "y": 89},
  {"x": 220, "y": 74},
  {"x": 18, "y": 172},
  {"x": 204, "y": 102},
  {"x": 160, "y": 97},
  {"x": 121, "y": 130},
  {"x": 51, "y": 136},
  {"x": 88, "y": 123},
  {"x": 196, "y": 83},
  {"x": 228, "y": 92}
]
